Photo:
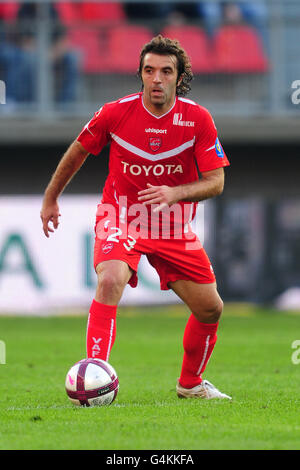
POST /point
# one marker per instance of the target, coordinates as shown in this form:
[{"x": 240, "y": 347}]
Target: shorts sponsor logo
[
  {"x": 155, "y": 143},
  {"x": 107, "y": 248}
]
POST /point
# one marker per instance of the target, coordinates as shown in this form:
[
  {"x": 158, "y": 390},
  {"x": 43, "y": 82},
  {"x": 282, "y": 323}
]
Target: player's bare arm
[
  {"x": 210, "y": 185},
  {"x": 70, "y": 163}
]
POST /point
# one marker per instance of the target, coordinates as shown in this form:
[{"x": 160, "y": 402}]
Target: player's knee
[
  {"x": 110, "y": 285},
  {"x": 219, "y": 308},
  {"x": 210, "y": 313}
]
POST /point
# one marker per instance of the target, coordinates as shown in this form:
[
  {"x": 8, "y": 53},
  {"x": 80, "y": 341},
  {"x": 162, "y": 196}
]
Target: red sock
[
  {"x": 199, "y": 340},
  {"x": 101, "y": 330}
]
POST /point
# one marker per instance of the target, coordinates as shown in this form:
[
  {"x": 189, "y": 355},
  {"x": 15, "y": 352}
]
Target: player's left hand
[
  {"x": 49, "y": 213},
  {"x": 162, "y": 195}
]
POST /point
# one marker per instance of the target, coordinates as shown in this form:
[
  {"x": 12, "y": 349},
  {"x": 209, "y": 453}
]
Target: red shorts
[{"x": 174, "y": 259}]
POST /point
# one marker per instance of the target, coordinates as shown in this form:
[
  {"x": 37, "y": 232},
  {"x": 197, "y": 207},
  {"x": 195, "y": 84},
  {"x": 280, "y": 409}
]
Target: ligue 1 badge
[{"x": 219, "y": 150}]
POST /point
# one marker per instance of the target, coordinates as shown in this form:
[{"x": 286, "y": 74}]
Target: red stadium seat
[
  {"x": 238, "y": 49},
  {"x": 103, "y": 11},
  {"x": 87, "y": 24},
  {"x": 195, "y": 42},
  {"x": 125, "y": 44},
  {"x": 67, "y": 13},
  {"x": 91, "y": 12},
  {"x": 90, "y": 44},
  {"x": 9, "y": 10}
]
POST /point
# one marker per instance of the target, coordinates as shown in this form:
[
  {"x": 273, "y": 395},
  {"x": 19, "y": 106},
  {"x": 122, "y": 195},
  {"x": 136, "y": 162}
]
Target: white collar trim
[{"x": 157, "y": 117}]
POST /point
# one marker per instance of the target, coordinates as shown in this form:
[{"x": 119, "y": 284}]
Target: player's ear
[{"x": 179, "y": 80}]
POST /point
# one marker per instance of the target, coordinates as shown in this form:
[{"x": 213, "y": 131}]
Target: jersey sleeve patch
[{"x": 219, "y": 149}]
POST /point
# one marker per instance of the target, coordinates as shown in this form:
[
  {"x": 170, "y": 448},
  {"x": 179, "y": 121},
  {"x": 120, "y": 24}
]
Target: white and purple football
[{"x": 92, "y": 382}]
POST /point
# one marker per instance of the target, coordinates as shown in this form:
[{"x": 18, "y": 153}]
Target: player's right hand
[{"x": 49, "y": 214}]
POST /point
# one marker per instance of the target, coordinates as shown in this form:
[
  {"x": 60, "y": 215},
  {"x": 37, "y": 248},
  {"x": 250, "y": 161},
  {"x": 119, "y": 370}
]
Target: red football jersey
[{"x": 161, "y": 150}]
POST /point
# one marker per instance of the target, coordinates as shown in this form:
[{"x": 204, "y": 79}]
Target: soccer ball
[{"x": 92, "y": 382}]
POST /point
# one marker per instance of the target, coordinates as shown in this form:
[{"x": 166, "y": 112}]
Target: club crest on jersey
[{"x": 155, "y": 143}]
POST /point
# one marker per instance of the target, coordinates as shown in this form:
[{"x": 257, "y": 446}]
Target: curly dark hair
[{"x": 165, "y": 46}]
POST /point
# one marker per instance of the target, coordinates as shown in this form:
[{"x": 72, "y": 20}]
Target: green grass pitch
[{"x": 252, "y": 362}]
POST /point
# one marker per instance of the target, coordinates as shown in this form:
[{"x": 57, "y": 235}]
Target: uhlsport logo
[{"x": 156, "y": 131}]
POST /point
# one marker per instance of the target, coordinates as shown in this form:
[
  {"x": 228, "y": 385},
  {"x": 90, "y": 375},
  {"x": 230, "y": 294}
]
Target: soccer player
[{"x": 159, "y": 144}]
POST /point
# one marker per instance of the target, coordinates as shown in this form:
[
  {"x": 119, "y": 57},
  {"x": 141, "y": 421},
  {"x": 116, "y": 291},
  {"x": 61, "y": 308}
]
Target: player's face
[{"x": 160, "y": 79}]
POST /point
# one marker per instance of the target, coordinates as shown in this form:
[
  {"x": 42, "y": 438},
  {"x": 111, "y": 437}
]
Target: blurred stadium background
[{"x": 60, "y": 61}]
